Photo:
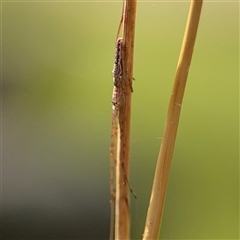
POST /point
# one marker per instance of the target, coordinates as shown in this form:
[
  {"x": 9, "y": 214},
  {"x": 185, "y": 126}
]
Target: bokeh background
[{"x": 57, "y": 59}]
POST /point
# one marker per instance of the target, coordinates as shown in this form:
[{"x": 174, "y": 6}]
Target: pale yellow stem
[{"x": 156, "y": 205}]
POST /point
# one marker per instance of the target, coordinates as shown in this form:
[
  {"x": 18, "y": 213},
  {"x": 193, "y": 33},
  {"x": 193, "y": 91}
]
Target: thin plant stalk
[
  {"x": 122, "y": 213},
  {"x": 156, "y": 205}
]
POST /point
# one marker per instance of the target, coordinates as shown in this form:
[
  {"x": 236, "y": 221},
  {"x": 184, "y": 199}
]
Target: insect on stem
[
  {"x": 116, "y": 100},
  {"x": 116, "y": 133}
]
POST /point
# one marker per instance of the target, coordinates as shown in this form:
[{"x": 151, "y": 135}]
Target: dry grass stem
[
  {"x": 122, "y": 214},
  {"x": 156, "y": 205}
]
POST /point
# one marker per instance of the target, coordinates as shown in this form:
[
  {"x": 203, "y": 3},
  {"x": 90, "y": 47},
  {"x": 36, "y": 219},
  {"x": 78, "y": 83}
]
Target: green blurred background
[{"x": 57, "y": 59}]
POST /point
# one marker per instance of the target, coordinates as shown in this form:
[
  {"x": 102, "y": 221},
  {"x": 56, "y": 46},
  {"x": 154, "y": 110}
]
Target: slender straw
[
  {"x": 156, "y": 205},
  {"x": 122, "y": 218}
]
